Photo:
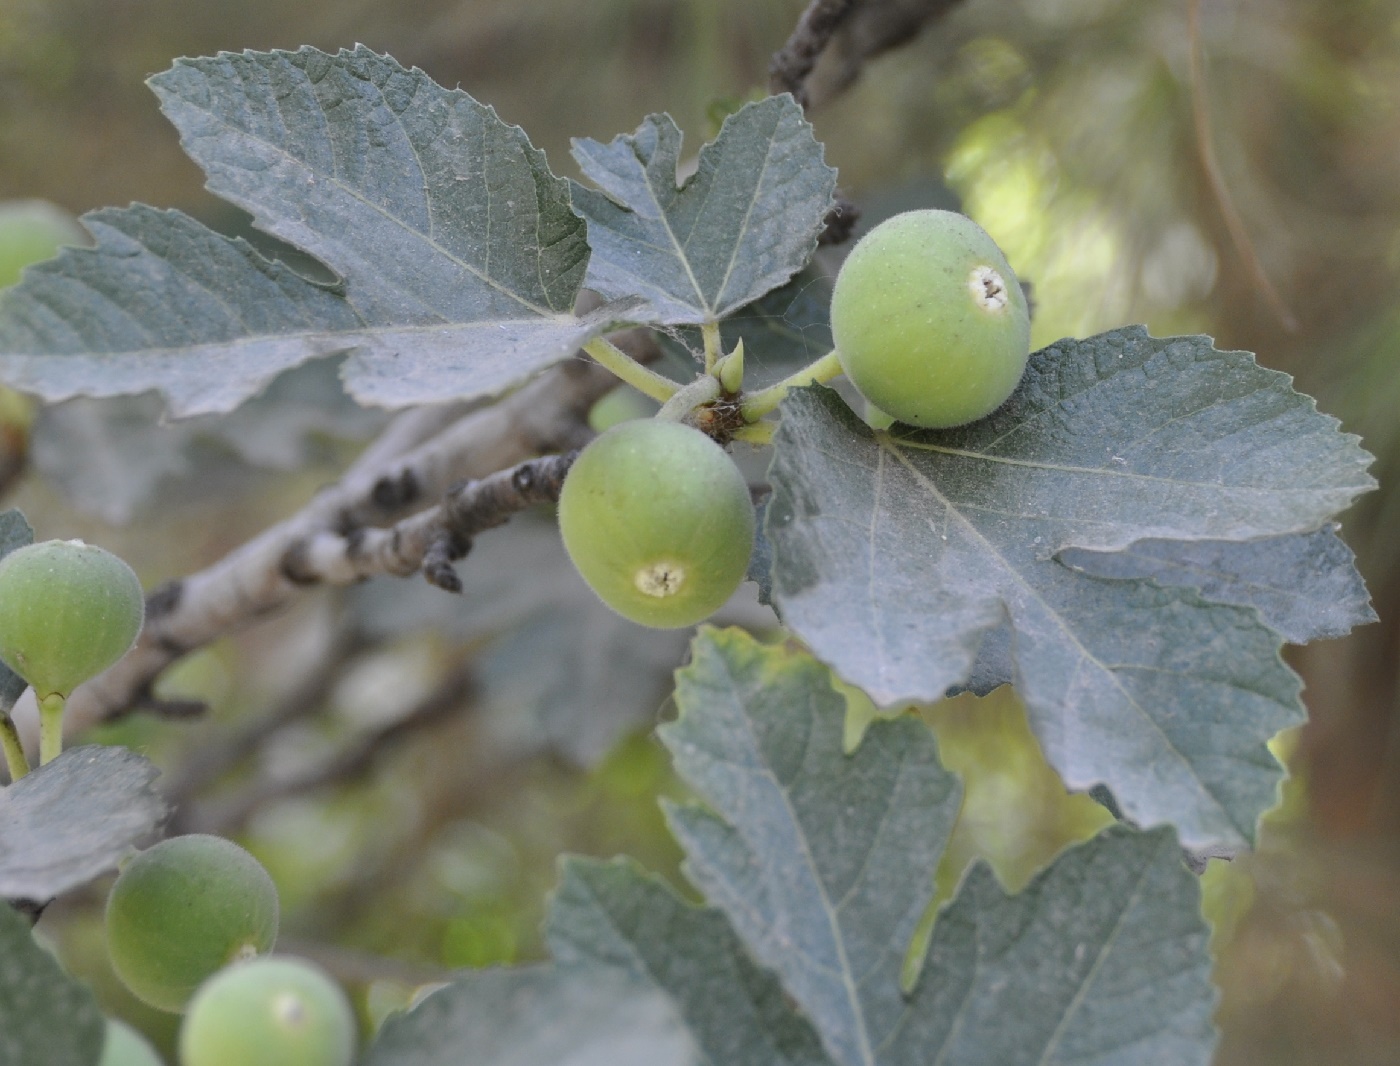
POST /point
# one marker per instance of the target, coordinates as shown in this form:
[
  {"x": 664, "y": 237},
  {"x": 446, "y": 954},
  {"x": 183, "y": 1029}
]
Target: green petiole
[
  {"x": 51, "y": 727},
  {"x": 647, "y": 382},
  {"x": 699, "y": 392},
  {"x": 766, "y": 400}
]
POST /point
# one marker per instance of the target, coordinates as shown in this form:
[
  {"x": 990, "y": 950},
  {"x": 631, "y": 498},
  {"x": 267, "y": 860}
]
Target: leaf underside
[
  {"x": 897, "y": 555},
  {"x": 74, "y": 819}
]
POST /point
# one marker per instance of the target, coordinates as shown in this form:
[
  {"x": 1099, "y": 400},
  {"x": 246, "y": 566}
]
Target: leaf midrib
[
  {"x": 1085, "y": 656},
  {"x": 335, "y": 182}
]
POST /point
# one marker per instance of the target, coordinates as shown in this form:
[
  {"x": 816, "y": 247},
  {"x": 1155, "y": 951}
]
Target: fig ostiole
[
  {"x": 929, "y": 321},
  {"x": 658, "y": 521},
  {"x": 275, "y": 1011}
]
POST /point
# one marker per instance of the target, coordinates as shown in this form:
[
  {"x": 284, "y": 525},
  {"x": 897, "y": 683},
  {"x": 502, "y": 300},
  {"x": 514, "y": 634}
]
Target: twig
[
  {"x": 793, "y": 63},
  {"x": 548, "y": 414},
  {"x": 432, "y": 540},
  {"x": 863, "y": 31},
  {"x": 1205, "y": 148}
]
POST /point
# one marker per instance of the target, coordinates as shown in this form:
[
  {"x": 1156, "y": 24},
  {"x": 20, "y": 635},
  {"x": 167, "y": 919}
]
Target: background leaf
[
  {"x": 73, "y": 819},
  {"x": 1107, "y": 442},
  {"x": 824, "y": 863},
  {"x": 536, "y": 1016},
  {"x": 1305, "y": 585},
  {"x": 744, "y": 223},
  {"x": 611, "y": 916},
  {"x": 563, "y": 671},
  {"x": 117, "y": 457},
  {"x": 45, "y": 1016},
  {"x": 820, "y": 865}
]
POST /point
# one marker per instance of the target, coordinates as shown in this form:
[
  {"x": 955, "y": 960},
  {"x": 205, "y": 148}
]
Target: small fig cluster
[
  {"x": 183, "y": 909},
  {"x": 190, "y": 923}
]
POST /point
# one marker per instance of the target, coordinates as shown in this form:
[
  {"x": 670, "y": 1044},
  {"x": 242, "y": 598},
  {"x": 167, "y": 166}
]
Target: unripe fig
[
  {"x": 68, "y": 610},
  {"x": 124, "y": 1046},
  {"x": 268, "y": 1012},
  {"x": 182, "y": 910},
  {"x": 930, "y": 323},
  {"x": 658, "y": 520}
]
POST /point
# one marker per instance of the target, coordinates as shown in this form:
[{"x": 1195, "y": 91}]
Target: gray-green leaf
[
  {"x": 458, "y": 253},
  {"x": 73, "y": 819},
  {"x": 45, "y": 1016},
  {"x": 612, "y": 917},
  {"x": 743, "y": 224},
  {"x": 162, "y": 302},
  {"x": 454, "y": 240},
  {"x": 1305, "y": 585},
  {"x": 535, "y": 1016},
  {"x": 1101, "y": 959},
  {"x": 824, "y": 863},
  {"x": 897, "y": 553}
]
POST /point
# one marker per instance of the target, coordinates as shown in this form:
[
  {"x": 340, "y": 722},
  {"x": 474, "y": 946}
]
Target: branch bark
[
  {"x": 847, "y": 33},
  {"x": 414, "y": 463}
]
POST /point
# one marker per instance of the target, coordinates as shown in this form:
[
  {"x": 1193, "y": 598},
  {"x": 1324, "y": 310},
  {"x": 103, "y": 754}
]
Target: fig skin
[
  {"x": 68, "y": 611},
  {"x": 124, "y": 1046},
  {"x": 929, "y": 321},
  {"x": 182, "y": 910},
  {"x": 658, "y": 521},
  {"x": 275, "y": 1011}
]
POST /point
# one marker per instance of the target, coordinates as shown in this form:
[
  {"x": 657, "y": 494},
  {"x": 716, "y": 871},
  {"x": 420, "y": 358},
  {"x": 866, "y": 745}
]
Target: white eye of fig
[
  {"x": 929, "y": 321},
  {"x": 658, "y": 520}
]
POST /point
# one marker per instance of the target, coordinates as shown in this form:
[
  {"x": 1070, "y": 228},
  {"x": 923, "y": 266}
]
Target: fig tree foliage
[{"x": 1052, "y": 539}]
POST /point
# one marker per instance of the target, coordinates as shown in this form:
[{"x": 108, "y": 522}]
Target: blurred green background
[{"x": 1237, "y": 175}]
